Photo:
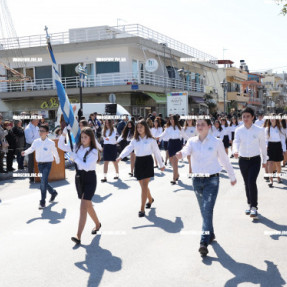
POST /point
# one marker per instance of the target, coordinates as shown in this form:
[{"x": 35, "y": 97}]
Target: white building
[{"x": 115, "y": 58}]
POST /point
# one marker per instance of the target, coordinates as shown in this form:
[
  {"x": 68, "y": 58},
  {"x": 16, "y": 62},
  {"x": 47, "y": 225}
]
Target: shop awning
[{"x": 159, "y": 98}]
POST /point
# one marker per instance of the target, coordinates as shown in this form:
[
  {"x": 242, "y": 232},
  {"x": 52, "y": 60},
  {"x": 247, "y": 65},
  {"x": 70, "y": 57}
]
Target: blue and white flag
[{"x": 63, "y": 98}]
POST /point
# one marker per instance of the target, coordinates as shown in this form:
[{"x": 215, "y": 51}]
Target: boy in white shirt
[{"x": 46, "y": 151}]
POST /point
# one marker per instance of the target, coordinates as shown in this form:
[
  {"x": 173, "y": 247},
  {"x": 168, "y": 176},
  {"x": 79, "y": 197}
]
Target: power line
[{"x": 268, "y": 69}]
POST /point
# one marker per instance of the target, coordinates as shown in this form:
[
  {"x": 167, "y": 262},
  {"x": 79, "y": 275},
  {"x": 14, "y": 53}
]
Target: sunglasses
[{"x": 42, "y": 131}]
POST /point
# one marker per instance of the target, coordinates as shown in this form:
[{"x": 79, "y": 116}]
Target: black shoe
[
  {"x": 42, "y": 205},
  {"x": 203, "y": 250},
  {"x": 53, "y": 196},
  {"x": 173, "y": 182},
  {"x": 141, "y": 213},
  {"x": 212, "y": 237},
  {"x": 155, "y": 166},
  {"x": 116, "y": 177},
  {"x": 10, "y": 169},
  {"x": 76, "y": 240},
  {"x": 148, "y": 205},
  {"x": 131, "y": 174},
  {"x": 270, "y": 184},
  {"x": 232, "y": 156},
  {"x": 94, "y": 231},
  {"x": 104, "y": 180}
]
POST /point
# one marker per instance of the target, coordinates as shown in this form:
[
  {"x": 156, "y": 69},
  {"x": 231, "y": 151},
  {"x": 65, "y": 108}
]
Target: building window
[{"x": 107, "y": 67}]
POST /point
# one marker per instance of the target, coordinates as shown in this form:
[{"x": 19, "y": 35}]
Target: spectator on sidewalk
[
  {"x": 3, "y": 144},
  {"x": 11, "y": 140},
  {"x": 18, "y": 131}
]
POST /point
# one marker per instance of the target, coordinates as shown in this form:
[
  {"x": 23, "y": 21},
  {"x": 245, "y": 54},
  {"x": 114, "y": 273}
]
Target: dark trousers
[
  {"x": 250, "y": 170},
  {"x": 20, "y": 159},
  {"x": 1, "y": 159},
  {"x": 30, "y": 162},
  {"x": 10, "y": 158}
]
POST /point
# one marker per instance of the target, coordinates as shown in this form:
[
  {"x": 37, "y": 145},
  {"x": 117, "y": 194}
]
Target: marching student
[
  {"x": 233, "y": 125},
  {"x": 46, "y": 151},
  {"x": 190, "y": 130},
  {"x": 85, "y": 156},
  {"x": 276, "y": 147},
  {"x": 174, "y": 133},
  {"x": 226, "y": 134},
  {"x": 217, "y": 130},
  {"x": 165, "y": 142},
  {"x": 110, "y": 148},
  {"x": 260, "y": 121},
  {"x": 284, "y": 127},
  {"x": 125, "y": 139},
  {"x": 249, "y": 143},
  {"x": 144, "y": 145},
  {"x": 207, "y": 155},
  {"x": 156, "y": 131}
]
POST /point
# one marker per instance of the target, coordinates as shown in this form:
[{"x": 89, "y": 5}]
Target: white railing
[
  {"x": 101, "y": 80},
  {"x": 103, "y": 33}
]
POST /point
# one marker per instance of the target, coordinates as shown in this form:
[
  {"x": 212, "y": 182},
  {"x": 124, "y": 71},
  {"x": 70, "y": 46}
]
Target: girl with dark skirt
[
  {"x": 125, "y": 139},
  {"x": 174, "y": 133},
  {"x": 217, "y": 130},
  {"x": 190, "y": 130},
  {"x": 86, "y": 157},
  {"x": 284, "y": 127},
  {"x": 156, "y": 131},
  {"x": 276, "y": 147},
  {"x": 144, "y": 145},
  {"x": 165, "y": 143},
  {"x": 110, "y": 148},
  {"x": 233, "y": 125},
  {"x": 226, "y": 134}
]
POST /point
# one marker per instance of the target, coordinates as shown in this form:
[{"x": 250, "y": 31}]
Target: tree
[{"x": 284, "y": 7}]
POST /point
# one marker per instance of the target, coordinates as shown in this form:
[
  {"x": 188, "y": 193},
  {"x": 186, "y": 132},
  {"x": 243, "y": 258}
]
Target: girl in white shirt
[
  {"x": 156, "y": 131},
  {"x": 85, "y": 156},
  {"x": 174, "y": 133},
  {"x": 226, "y": 134},
  {"x": 125, "y": 139},
  {"x": 276, "y": 147},
  {"x": 207, "y": 156},
  {"x": 232, "y": 127},
  {"x": 144, "y": 145},
  {"x": 217, "y": 130},
  {"x": 190, "y": 130},
  {"x": 284, "y": 128},
  {"x": 110, "y": 148}
]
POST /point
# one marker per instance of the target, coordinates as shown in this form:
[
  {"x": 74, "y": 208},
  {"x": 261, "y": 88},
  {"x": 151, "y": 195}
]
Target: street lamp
[
  {"x": 82, "y": 72},
  {"x": 224, "y": 85}
]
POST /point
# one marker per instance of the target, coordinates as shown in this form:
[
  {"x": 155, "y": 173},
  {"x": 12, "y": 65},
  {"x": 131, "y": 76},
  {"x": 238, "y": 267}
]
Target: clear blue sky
[{"x": 251, "y": 30}]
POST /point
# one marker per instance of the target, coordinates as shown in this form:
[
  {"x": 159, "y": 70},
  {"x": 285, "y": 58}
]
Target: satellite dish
[{"x": 151, "y": 65}]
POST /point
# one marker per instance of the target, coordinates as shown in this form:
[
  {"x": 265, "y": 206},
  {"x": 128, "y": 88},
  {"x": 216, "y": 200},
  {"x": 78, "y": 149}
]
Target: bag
[{"x": 79, "y": 178}]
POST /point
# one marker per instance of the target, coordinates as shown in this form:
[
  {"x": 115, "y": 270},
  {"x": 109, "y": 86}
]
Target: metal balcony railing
[
  {"x": 103, "y": 33},
  {"x": 101, "y": 80}
]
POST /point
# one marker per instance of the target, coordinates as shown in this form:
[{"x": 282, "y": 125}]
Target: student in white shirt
[
  {"x": 276, "y": 147},
  {"x": 110, "y": 148},
  {"x": 232, "y": 127},
  {"x": 217, "y": 130},
  {"x": 226, "y": 134},
  {"x": 260, "y": 121},
  {"x": 46, "y": 151},
  {"x": 174, "y": 133},
  {"x": 284, "y": 127},
  {"x": 249, "y": 143},
  {"x": 86, "y": 156},
  {"x": 165, "y": 142},
  {"x": 207, "y": 155},
  {"x": 156, "y": 131},
  {"x": 144, "y": 145},
  {"x": 125, "y": 139},
  {"x": 190, "y": 130}
]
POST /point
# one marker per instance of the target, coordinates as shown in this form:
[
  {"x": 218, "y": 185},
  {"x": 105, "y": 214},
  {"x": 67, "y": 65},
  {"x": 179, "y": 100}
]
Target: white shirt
[
  {"x": 46, "y": 150},
  {"x": 208, "y": 156},
  {"x": 226, "y": 132},
  {"x": 143, "y": 147},
  {"x": 171, "y": 133},
  {"x": 276, "y": 136},
  {"x": 259, "y": 123},
  {"x": 110, "y": 139},
  {"x": 31, "y": 133},
  {"x": 233, "y": 127},
  {"x": 91, "y": 159},
  {"x": 217, "y": 133},
  {"x": 156, "y": 132},
  {"x": 250, "y": 142},
  {"x": 190, "y": 131}
]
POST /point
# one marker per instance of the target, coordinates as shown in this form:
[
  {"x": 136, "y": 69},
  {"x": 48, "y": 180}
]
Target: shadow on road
[
  {"x": 164, "y": 224},
  {"x": 97, "y": 261},
  {"x": 54, "y": 217},
  {"x": 184, "y": 186},
  {"x": 273, "y": 226},
  {"x": 119, "y": 184},
  {"x": 246, "y": 273},
  {"x": 98, "y": 199}
]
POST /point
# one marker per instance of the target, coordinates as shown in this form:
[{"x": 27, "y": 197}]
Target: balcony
[
  {"x": 103, "y": 33},
  {"x": 233, "y": 96},
  {"x": 123, "y": 82},
  {"x": 234, "y": 74}
]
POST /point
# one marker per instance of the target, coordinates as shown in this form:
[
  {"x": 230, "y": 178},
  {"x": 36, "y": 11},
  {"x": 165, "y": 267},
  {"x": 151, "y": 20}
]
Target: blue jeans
[
  {"x": 20, "y": 159},
  {"x": 45, "y": 168},
  {"x": 206, "y": 190}
]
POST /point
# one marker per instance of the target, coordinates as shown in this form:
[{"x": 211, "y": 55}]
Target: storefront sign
[{"x": 177, "y": 103}]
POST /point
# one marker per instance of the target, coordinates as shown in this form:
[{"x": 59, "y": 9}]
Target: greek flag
[{"x": 63, "y": 98}]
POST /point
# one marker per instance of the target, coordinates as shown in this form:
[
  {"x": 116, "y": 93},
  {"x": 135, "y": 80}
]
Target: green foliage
[{"x": 284, "y": 6}]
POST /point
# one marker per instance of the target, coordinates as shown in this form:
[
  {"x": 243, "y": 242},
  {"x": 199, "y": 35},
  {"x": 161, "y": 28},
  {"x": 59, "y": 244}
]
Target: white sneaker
[
  {"x": 253, "y": 212},
  {"x": 247, "y": 210}
]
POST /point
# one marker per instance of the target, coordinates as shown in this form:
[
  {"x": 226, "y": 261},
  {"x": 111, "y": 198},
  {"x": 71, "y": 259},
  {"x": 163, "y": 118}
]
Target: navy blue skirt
[
  {"x": 174, "y": 146},
  {"x": 226, "y": 141},
  {"x": 110, "y": 152},
  {"x": 144, "y": 167},
  {"x": 165, "y": 145}
]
